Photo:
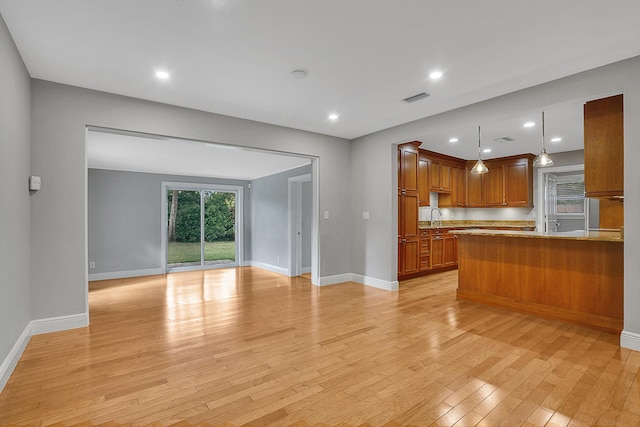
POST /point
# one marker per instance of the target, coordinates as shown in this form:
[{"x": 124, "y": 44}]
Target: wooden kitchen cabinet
[
  {"x": 604, "y": 147},
  {"x": 408, "y": 202},
  {"x": 423, "y": 179},
  {"x": 440, "y": 176},
  {"x": 474, "y": 188},
  {"x": 457, "y": 198},
  {"x": 449, "y": 250},
  {"x": 518, "y": 181},
  {"x": 509, "y": 183},
  {"x": 443, "y": 250},
  {"x": 493, "y": 185},
  {"x": 437, "y": 249},
  {"x": 425, "y": 250}
]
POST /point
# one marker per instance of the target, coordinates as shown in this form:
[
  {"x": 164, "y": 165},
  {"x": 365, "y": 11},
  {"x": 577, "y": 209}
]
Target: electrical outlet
[{"x": 92, "y": 264}]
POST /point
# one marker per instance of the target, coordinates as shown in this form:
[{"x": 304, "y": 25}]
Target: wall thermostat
[{"x": 34, "y": 183}]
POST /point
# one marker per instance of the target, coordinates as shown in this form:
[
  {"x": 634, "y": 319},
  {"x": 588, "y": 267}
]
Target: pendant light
[
  {"x": 543, "y": 160},
  {"x": 479, "y": 167}
]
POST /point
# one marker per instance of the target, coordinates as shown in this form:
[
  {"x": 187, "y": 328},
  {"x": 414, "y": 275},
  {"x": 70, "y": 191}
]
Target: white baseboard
[
  {"x": 358, "y": 278},
  {"x": 332, "y": 280},
  {"x": 376, "y": 283},
  {"x": 630, "y": 340},
  {"x": 62, "y": 323},
  {"x": 10, "y": 362},
  {"x": 37, "y": 327},
  {"x": 125, "y": 274},
  {"x": 273, "y": 268},
  {"x": 306, "y": 270}
]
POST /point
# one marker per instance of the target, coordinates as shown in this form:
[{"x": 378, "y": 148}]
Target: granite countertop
[
  {"x": 449, "y": 223},
  {"x": 603, "y": 236}
]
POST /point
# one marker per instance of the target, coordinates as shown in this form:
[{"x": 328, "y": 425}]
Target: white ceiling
[
  {"x": 235, "y": 57},
  {"x": 150, "y": 154}
]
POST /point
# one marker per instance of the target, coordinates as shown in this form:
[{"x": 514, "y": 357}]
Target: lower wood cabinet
[
  {"x": 432, "y": 250},
  {"x": 425, "y": 250},
  {"x": 408, "y": 256}
]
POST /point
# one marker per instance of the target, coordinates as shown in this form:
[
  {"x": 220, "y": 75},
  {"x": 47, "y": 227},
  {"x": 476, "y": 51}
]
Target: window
[{"x": 570, "y": 201}]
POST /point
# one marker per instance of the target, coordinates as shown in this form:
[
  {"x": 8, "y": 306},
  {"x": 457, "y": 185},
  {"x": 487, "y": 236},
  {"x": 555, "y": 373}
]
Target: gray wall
[
  {"x": 15, "y": 160},
  {"x": 373, "y": 169},
  {"x": 60, "y": 116},
  {"x": 270, "y": 217},
  {"x": 125, "y": 218}
]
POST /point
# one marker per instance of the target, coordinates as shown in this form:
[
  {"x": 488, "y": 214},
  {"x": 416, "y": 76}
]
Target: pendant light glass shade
[
  {"x": 479, "y": 167},
  {"x": 543, "y": 160}
]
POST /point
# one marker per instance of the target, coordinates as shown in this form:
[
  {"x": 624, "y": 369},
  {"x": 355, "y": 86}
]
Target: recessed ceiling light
[
  {"x": 453, "y": 140},
  {"x": 435, "y": 75},
  {"x": 333, "y": 116},
  {"x": 486, "y": 150},
  {"x": 162, "y": 75},
  {"x": 556, "y": 139},
  {"x": 529, "y": 125}
]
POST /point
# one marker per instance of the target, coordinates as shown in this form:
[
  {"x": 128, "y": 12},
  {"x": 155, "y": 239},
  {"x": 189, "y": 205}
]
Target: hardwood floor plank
[{"x": 246, "y": 346}]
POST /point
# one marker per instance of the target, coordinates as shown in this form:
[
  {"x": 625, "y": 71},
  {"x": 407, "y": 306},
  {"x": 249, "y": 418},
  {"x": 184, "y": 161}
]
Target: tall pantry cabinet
[{"x": 408, "y": 202}]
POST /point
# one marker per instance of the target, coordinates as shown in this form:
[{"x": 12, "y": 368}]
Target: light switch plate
[{"x": 34, "y": 183}]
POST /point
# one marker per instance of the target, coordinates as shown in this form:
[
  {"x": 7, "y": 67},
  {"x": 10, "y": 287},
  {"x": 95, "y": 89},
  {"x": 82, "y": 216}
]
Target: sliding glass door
[
  {"x": 200, "y": 227},
  {"x": 219, "y": 227}
]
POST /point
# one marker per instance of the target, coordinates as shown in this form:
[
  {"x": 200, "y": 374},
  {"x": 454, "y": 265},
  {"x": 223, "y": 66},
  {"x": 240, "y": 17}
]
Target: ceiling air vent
[
  {"x": 504, "y": 139},
  {"x": 417, "y": 97}
]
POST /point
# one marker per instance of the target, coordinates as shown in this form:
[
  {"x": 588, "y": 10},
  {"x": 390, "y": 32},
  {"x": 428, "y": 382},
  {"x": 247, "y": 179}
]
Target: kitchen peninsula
[{"x": 575, "y": 277}]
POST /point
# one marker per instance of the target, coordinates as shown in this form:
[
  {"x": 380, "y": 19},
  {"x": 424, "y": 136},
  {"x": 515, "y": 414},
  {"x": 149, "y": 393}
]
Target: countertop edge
[{"x": 590, "y": 236}]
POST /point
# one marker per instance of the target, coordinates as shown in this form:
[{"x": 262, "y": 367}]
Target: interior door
[{"x": 551, "y": 203}]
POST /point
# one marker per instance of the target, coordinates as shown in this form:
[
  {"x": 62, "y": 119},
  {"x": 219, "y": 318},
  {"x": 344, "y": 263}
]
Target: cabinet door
[
  {"x": 493, "y": 186},
  {"x": 604, "y": 147},
  {"x": 518, "y": 183},
  {"x": 445, "y": 177},
  {"x": 411, "y": 262},
  {"x": 408, "y": 221},
  {"x": 437, "y": 251},
  {"x": 458, "y": 187},
  {"x": 409, "y": 170},
  {"x": 425, "y": 252},
  {"x": 434, "y": 176},
  {"x": 423, "y": 183},
  {"x": 474, "y": 189},
  {"x": 448, "y": 250}
]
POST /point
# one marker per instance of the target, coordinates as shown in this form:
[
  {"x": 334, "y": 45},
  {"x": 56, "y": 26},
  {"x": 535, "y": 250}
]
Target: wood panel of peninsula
[{"x": 577, "y": 281}]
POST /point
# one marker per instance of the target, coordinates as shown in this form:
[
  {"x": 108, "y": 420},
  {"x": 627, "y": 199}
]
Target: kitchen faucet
[{"x": 437, "y": 223}]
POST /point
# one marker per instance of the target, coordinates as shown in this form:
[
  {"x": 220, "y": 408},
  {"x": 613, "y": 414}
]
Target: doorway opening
[
  {"x": 564, "y": 207},
  {"x": 300, "y": 224}
]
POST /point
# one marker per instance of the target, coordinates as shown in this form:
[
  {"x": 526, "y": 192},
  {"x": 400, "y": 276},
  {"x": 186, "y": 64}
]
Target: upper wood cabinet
[
  {"x": 408, "y": 156},
  {"x": 458, "y": 186},
  {"x": 423, "y": 180},
  {"x": 518, "y": 181},
  {"x": 604, "y": 147},
  {"x": 457, "y": 198},
  {"x": 493, "y": 185},
  {"x": 509, "y": 183},
  {"x": 446, "y": 177},
  {"x": 440, "y": 176}
]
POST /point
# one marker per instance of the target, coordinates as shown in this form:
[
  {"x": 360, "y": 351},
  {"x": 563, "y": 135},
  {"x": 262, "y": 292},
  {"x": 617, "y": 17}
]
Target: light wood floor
[{"x": 249, "y": 346}]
